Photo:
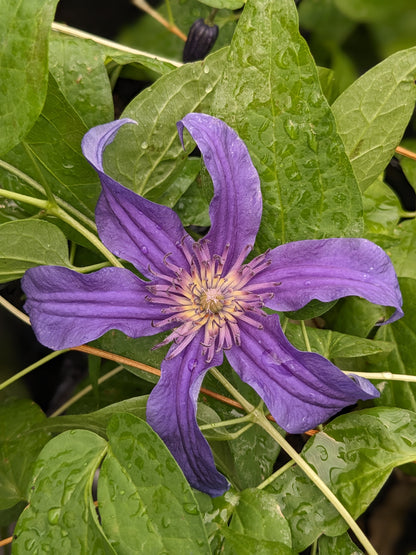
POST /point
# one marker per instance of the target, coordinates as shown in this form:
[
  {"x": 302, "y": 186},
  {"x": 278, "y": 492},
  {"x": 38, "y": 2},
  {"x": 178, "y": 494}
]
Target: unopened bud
[{"x": 201, "y": 39}]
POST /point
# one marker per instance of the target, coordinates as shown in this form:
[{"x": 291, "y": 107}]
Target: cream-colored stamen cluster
[{"x": 203, "y": 296}]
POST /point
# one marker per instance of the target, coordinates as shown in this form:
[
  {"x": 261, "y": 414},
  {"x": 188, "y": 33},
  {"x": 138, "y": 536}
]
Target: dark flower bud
[{"x": 201, "y": 39}]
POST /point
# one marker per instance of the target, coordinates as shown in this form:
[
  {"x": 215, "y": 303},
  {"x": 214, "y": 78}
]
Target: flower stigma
[{"x": 205, "y": 296}]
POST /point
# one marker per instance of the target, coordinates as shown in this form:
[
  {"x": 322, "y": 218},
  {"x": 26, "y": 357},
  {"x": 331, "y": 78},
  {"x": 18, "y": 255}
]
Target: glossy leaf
[
  {"x": 78, "y": 68},
  {"x": 19, "y": 447},
  {"x": 354, "y": 456},
  {"x": 51, "y": 155},
  {"x": 332, "y": 344},
  {"x": 382, "y": 210},
  {"x": 145, "y": 503},
  {"x": 148, "y": 157},
  {"x": 224, "y": 4},
  {"x": 372, "y": 114},
  {"x": 373, "y": 10},
  {"x": 28, "y": 243},
  {"x": 341, "y": 545},
  {"x": 402, "y": 335},
  {"x": 24, "y": 31},
  {"x": 257, "y": 526},
  {"x": 61, "y": 516},
  {"x": 270, "y": 93}
]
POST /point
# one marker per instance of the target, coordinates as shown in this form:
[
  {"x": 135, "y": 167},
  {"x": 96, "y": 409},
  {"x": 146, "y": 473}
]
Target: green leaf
[
  {"x": 19, "y": 447},
  {"x": 341, "y": 545},
  {"x": 224, "y": 4},
  {"x": 402, "y": 335},
  {"x": 332, "y": 344},
  {"x": 96, "y": 421},
  {"x": 372, "y": 114},
  {"x": 257, "y": 526},
  {"x": 61, "y": 516},
  {"x": 51, "y": 155},
  {"x": 354, "y": 456},
  {"x": 148, "y": 157},
  {"x": 78, "y": 68},
  {"x": 24, "y": 31},
  {"x": 28, "y": 243},
  {"x": 400, "y": 246},
  {"x": 355, "y": 316},
  {"x": 146, "y": 505},
  {"x": 270, "y": 93},
  {"x": 373, "y": 10},
  {"x": 382, "y": 210}
]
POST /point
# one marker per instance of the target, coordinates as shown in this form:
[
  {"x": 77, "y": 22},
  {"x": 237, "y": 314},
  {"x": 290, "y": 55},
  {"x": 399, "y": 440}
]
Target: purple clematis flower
[{"x": 210, "y": 299}]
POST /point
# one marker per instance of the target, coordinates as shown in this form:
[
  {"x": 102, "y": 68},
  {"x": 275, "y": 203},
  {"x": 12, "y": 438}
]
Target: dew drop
[
  {"x": 68, "y": 166},
  {"x": 29, "y": 544},
  {"x": 206, "y": 69},
  {"x": 291, "y": 128},
  {"x": 208, "y": 89},
  {"x": 144, "y": 249},
  {"x": 144, "y": 145},
  {"x": 323, "y": 453},
  {"x": 165, "y": 522},
  {"x": 190, "y": 508},
  {"x": 365, "y": 276},
  {"x": 53, "y": 515},
  {"x": 307, "y": 283}
]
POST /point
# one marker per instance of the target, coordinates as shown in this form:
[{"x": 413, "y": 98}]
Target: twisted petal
[
  {"x": 171, "y": 413},
  {"x": 131, "y": 226},
  {"x": 300, "y": 389},
  {"x": 236, "y": 207},
  {"x": 329, "y": 269},
  {"x": 67, "y": 308}
]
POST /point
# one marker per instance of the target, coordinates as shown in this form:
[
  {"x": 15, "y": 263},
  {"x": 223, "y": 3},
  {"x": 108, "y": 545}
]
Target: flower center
[
  {"x": 211, "y": 301},
  {"x": 205, "y": 297}
]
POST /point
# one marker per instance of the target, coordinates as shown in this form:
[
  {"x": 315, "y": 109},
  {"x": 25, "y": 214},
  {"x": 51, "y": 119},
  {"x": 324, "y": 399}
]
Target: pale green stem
[
  {"x": 405, "y": 214},
  {"x": 15, "y": 311},
  {"x": 57, "y": 211},
  {"x": 229, "y": 436},
  {"x": 261, "y": 420},
  {"x": 47, "y": 189},
  {"x": 383, "y": 376},
  {"x": 86, "y": 390},
  {"x": 223, "y": 423},
  {"x": 38, "y": 187},
  {"x": 67, "y": 30},
  {"x": 33, "y": 366},
  {"x": 92, "y": 268},
  {"x": 170, "y": 14},
  {"x": 314, "y": 548},
  {"x": 276, "y": 474},
  {"x": 305, "y": 336},
  {"x": 284, "y": 325}
]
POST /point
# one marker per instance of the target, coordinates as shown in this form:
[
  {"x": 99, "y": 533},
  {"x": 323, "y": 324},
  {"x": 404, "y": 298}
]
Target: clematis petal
[
  {"x": 329, "y": 269},
  {"x": 67, "y": 308},
  {"x": 300, "y": 389},
  {"x": 131, "y": 226},
  {"x": 236, "y": 207},
  {"x": 171, "y": 413}
]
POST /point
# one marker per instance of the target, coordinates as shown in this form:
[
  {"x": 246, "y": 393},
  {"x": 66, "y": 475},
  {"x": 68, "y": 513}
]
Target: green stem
[
  {"x": 38, "y": 187},
  {"x": 33, "y": 366},
  {"x": 209, "y": 20},
  {"x": 67, "y": 30},
  {"x": 223, "y": 423},
  {"x": 260, "y": 419},
  {"x": 383, "y": 376},
  {"x": 276, "y": 474},
  {"x": 57, "y": 211},
  {"x": 406, "y": 214},
  {"x": 305, "y": 336},
  {"x": 92, "y": 268},
  {"x": 15, "y": 311},
  {"x": 170, "y": 14}
]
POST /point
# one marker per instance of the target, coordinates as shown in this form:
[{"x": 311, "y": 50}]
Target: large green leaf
[
  {"x": 341, "y": 545},
  {"x": 257, "y": 526},
  {"x": 382, "y": 210},
  {"x": 148, "y": 157},
  {"x": 332, "y": 344},
  {"x": 402, "y": 335},
  {"x": 145, "y": 503},
  {"x": 28, "y": 243},
  {"x": 19, "y": 447},
  {"x": 51, "y": 155},
  {"x": 270, "y": 93},
  {"x": 373, "y": 10},
  {"x": 354, "y": 456},
  {"x": 24, "y": 31},
  {"x": 78, "y": 67},
  {"x": 61, "y": 517},
  {"x": 372, "y": 114}
]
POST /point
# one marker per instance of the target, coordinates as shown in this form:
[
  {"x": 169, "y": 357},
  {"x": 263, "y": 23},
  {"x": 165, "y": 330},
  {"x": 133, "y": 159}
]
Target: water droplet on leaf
[
  {"x": 144, "y": 145},
  {"x": 53, "y": 515}
]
